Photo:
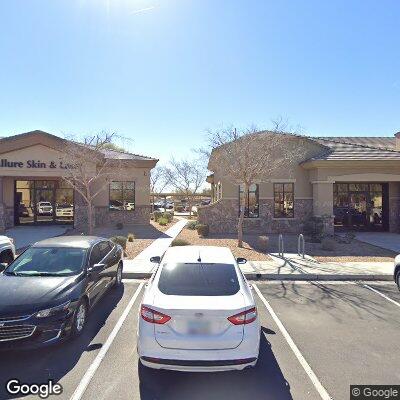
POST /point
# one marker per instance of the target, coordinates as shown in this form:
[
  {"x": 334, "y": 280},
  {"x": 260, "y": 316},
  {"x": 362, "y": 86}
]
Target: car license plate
[{"x": 198, "y": 327}]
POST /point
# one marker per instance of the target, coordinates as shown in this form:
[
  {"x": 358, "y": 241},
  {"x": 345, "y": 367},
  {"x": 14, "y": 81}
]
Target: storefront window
[
  {"x": 283, "y": 200},
  {"x": 122, "y": 196},
  {"x": 251, "y": 209}
]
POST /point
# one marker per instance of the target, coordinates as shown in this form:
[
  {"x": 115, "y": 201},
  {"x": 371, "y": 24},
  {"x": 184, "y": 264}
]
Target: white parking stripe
[
  {"x": 381, "y": 294},
  {"x": 83, "y": 384},
  {"x": 317, "y": 384}
]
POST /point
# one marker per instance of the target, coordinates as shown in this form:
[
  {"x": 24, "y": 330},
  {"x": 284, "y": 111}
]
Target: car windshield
[
  {"x": 48, "y": 261},
  {"x": 198, "y": 279}
]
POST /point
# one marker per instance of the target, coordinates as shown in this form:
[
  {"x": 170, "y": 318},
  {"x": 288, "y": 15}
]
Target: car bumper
[
  {"x": 153, "y": 355},
  {"x": 199, "y": 365},
  {"x": 45, "y": 333}
]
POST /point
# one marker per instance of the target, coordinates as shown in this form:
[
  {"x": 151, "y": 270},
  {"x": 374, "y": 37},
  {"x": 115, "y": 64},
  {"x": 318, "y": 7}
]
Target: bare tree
[
  {"x": 248, "y": 156},
  {"x": 159, "y": 179},
  {"x": 186, "y": 177},
  {"x": 87, "y": 169}
]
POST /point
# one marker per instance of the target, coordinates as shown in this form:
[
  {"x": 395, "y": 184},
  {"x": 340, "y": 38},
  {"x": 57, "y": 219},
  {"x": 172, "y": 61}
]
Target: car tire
[
  {"x": 398, "y": 279},
  {"x": 118, "y": 276},
  {"x": 79, "y": 319}
]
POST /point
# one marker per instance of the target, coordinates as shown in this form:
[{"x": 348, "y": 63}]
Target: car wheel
[
  {"x": 80, "y": 317},
  {"x": 118, "y": 276},
  {"x": 398, "y": 279}
]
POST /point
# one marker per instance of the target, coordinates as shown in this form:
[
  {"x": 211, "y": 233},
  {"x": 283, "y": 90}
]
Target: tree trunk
[
  {"x": 90, "y": 218},
  {"x": 190, "y": 207},
  {"x": 243, "y": 203}
]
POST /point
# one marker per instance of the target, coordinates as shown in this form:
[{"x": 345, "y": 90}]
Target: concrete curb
[{"x": 288, "y": 277}]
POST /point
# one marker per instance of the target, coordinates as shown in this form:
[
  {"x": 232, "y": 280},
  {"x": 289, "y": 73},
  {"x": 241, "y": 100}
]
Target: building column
[
  {"x": 394, "y": 207},
  {"x": 3, "y": 210},
  {"x": 323, "y": 203}
]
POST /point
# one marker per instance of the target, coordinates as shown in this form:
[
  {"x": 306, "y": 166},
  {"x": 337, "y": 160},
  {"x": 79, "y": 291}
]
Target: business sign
[{"x": 33, "y": 164}]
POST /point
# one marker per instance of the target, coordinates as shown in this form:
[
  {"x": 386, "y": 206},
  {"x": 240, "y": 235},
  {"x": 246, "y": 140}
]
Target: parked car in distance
[
  {"x": 396, "y": 274},
  {"x": 23, "y": 210},
  {"x": 205, "y": 202},
  {"x": 7, "y": 250},
  {"x": 198, "y": 313},
  {"x": 47, "y": 292},
  {"x": 44, "y": 208},
  {"x": 64, "y": 210}
]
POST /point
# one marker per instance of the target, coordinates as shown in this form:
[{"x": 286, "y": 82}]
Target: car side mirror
[
  {"x": 96, "y": 267},
  {"x": 241, "y": 260},
  {"x": 3, "y": 266},
  {"x": 155, "y": 259}
]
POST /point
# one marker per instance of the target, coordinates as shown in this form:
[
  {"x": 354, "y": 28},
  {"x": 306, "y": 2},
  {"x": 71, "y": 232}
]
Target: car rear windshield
[{"x": 198, "y": 280}]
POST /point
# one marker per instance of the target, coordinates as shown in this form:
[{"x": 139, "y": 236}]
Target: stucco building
[
  {"x": 352, "y": 182},
  {"x": 33, "y": 192}
]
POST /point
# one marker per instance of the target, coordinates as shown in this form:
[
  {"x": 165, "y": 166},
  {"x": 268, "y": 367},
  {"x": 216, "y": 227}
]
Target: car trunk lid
[{"x": 199, "y": 322}]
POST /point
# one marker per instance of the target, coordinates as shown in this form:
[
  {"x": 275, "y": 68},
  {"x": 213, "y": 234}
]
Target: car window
[
  {"x": 198, "y": 279},
  {"x": 48, "y": 261},
  {"x": 104, "y": 249},
  {"x": 95, "y": 255}
]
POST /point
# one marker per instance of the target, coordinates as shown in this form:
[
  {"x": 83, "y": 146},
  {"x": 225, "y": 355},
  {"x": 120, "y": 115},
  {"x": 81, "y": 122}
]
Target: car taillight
[
  {"x": 245, "y": 317},
  {"x": 153, "y": 316}
]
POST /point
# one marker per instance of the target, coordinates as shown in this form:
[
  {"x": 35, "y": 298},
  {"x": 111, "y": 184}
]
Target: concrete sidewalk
[
  {"x": 386, "y": 240},
  {"x": 140, "y": 266},
  {"x": 292, "y": 267},
  {"x": 26, "y": 235}
]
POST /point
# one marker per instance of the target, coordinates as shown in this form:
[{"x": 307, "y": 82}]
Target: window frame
[
  {"x": 283, "y": 193},
  {"x": 247, "y": 206},
  {"x": 123, "y": 189}
]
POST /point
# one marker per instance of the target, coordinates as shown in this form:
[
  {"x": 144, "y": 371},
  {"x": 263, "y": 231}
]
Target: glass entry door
[
  {"x": 43, "y": 201},
  {"x": 360, "y": 206}
]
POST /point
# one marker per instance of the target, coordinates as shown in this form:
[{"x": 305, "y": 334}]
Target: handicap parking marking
[
  {"x": 83, "y": 384},
  {"x": 380, "y": 294},
  {"x": 307, "y": 368}
]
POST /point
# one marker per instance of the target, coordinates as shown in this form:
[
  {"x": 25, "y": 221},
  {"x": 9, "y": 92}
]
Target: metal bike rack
[
  {"x": 301, "y": 244},
  {"x": 280, "y": 243}
]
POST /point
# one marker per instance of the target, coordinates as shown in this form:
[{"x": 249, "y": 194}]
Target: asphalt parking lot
[{"x": 343, "y": 333}]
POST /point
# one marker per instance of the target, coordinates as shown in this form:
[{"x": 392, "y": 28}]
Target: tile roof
[{"x": 357, "y": 148}]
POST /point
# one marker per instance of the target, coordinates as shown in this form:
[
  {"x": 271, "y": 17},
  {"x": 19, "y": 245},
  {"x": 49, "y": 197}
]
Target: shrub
[
  {"x": 349, "y": 237},
  {"x": 162, "y": 221},
  {"x": 157, "y": 215},
  {"x": 179, "y": 209},
  {"x": 119, "y": 225},
  {"x": 131, "y": 237},
  {"x": 194, "y": 213},
  {"x": 262, "y": 243},
  {"x": 328, "y": 244},
  {"x": 203, "y": 230},
  {"x": 314, "y": 227},
  {"x": 179, "y": 242},
  {"x": 191, "y": 225},
  {"x": 168, "y": 216},
  {"x": 121, "y": 240}
]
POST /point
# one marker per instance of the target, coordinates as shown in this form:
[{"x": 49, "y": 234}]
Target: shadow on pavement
[
  {"x": 265, "y": 382},
  {"x": 328, "y": 296},
  {"x": 53, "y": 362}
]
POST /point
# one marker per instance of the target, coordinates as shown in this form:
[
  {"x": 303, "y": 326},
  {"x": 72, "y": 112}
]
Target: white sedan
[{"x": 198, "y": 313}]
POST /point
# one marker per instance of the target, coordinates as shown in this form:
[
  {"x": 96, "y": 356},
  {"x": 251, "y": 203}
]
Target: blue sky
[{"x": 162, "y": 71}]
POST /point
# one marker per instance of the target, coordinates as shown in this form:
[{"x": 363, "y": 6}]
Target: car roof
[
  {"x": 82, "y": 242},
  {"x": 191, "y": 254}
]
